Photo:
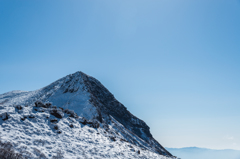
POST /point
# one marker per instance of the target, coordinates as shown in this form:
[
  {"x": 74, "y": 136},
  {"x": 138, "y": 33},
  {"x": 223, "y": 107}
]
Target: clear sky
[{"x": 173, "y": 63}]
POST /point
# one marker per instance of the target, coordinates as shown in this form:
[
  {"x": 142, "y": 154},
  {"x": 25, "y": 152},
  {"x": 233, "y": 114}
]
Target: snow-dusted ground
[{"x": 81, "y": 141}]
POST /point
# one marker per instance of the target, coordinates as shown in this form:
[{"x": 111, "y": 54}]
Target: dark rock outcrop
[
  {"x": 4, "y": 116},
  {"x": 57, "y": 113}
]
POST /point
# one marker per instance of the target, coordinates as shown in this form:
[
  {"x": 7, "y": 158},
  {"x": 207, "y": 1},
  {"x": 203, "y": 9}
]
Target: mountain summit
[{"x": 83, "y": 102}]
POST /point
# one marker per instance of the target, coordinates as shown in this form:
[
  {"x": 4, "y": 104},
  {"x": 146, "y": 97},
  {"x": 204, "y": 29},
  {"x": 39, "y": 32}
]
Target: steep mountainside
[{"x": 83, "y": 102}]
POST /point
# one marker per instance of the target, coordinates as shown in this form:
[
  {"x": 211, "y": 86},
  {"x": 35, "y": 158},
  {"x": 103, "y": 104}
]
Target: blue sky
[{"x": 175, "y": 64}]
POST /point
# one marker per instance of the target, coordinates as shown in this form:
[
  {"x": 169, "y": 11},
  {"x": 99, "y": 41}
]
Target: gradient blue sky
[{"x": 173, "y": 63}]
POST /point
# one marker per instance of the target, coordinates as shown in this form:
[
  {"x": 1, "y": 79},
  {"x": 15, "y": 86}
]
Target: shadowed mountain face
[
  {"x": 109, "y": 106},
  {"x": 87, "y": 97}
]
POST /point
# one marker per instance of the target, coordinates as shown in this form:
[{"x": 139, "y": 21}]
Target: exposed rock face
[
  {"x": 4, "y": 116},
  {"x": 108, "y": 105},
  {"x": 92, "y": 101}
]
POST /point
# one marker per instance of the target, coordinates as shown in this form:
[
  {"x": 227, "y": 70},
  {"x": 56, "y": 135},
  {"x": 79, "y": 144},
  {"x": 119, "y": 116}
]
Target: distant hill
[{"x": 203, "y": 153}]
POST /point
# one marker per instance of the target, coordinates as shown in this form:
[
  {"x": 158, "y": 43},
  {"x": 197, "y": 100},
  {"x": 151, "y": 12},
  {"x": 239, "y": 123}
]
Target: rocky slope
[{"x": 73, "y": 105}]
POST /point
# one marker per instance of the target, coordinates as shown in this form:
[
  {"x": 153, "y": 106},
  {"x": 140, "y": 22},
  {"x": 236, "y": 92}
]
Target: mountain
[
  {"x": 203, "y": 153},
  {"x": 78, "y": 116}
]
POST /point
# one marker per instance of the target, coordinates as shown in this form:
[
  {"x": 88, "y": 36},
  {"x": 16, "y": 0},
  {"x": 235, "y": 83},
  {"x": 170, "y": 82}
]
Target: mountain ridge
[{"x": 89, "y": 99}]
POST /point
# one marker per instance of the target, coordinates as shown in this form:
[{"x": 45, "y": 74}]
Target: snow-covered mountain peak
[{"x": 86, "y": 97}]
